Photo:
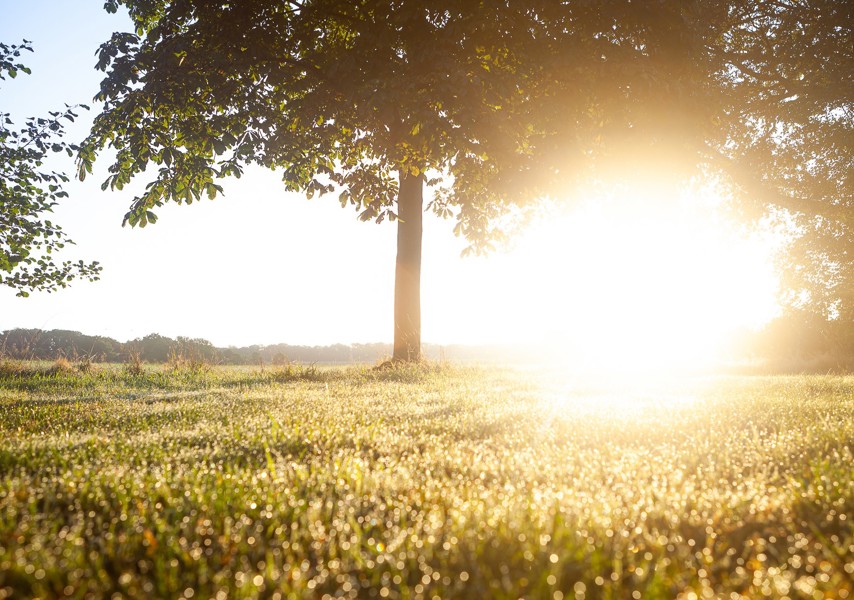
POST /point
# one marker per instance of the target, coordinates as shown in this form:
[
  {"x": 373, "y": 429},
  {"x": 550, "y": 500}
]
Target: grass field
[{"x": 445, "y": 482}]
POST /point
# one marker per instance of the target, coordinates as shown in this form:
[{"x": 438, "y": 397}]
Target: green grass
[{"x": 448, "y": 482}]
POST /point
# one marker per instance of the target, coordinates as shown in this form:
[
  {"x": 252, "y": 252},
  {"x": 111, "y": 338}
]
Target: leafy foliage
[
  {"x": 501, "y": 105},
  {"x": 790, "y": 137},
  {"x": 339, "y": 95},
  {"x": 29, "y": 241}
]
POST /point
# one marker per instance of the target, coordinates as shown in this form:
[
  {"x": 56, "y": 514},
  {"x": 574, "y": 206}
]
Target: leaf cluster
[
  {"x": 789, "y": 69},
  {"x": 338, "y": 96},
  {"x": 28, "y": 192}
]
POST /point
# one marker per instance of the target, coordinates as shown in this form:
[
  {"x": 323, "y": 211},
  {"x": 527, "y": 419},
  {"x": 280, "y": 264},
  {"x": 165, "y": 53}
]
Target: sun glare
[{"x": 637, "y": 283}]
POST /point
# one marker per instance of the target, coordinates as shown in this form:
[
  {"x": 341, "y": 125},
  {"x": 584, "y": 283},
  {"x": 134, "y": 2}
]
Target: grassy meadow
[{"x": 421, "y": 482}]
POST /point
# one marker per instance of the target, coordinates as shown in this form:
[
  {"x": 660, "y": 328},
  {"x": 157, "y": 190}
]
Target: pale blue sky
[{"x": 264, "y": 266}]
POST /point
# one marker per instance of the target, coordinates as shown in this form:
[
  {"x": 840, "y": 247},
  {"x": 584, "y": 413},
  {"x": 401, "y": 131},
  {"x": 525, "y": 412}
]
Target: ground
[{"x": 421, "y": 482}]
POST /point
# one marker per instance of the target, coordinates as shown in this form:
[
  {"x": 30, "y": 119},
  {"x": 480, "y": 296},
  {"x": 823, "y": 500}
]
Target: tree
[
  {"x": 154, "y": 347},
  {"x": 369, "y": 99},
  {"x": 790, "y": 132},
  {"x": 756, "y": 96},
  {"x": 503, "y": 103},
  {"x": 28, "y": 241}
]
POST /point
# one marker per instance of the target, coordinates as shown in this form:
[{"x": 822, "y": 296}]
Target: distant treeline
[
  {"x": 794, "y": 342},
  {"x": 48, "y": 345},
  {"x": 36, "y": 344}
]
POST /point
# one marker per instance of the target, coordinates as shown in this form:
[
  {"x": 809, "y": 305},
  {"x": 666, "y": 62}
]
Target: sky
[{"x": 262, "y": 266}]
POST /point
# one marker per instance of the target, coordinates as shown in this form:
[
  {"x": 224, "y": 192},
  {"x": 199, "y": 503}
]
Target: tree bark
[{"x": 407, "y": 275}]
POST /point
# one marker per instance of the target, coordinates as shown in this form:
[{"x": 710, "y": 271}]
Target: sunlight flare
[
  {"x": 644, "y": 283},
  {"x": 636, "y": 281}
]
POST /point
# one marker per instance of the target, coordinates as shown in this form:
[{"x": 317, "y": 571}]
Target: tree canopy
[
  {"x": 339, "y": 95},
  {"x": 789, "y": 67},
  {"x": 500, "y": 103},
  {"x": 28, "y": 240}
]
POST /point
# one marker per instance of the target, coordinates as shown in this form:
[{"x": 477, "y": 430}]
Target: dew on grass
[{"x": 463, "y": 483}]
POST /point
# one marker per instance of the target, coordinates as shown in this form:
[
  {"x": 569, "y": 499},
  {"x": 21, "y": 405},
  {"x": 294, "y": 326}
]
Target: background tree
[
  {"x": 197, "y": 350},
  {"x": 790, "y": 131},
  {"x": 756, "y": 97},
  {"x": 154, "y": 347},
  {"x": 28, "y": 240},
  {"x": 504, "y": 104}
]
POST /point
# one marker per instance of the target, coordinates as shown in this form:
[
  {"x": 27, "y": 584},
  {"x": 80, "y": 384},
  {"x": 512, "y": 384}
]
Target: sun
[{"x": 637, "y": 281}]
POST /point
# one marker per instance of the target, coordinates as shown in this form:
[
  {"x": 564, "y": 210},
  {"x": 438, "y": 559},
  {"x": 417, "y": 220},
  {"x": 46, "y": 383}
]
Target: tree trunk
[{"x": 407, "y": 275}]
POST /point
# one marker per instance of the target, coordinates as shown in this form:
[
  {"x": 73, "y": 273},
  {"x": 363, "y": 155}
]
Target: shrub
[
  {"x": 61, "y": 366},
  {"x": 133, "y": 366}
]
